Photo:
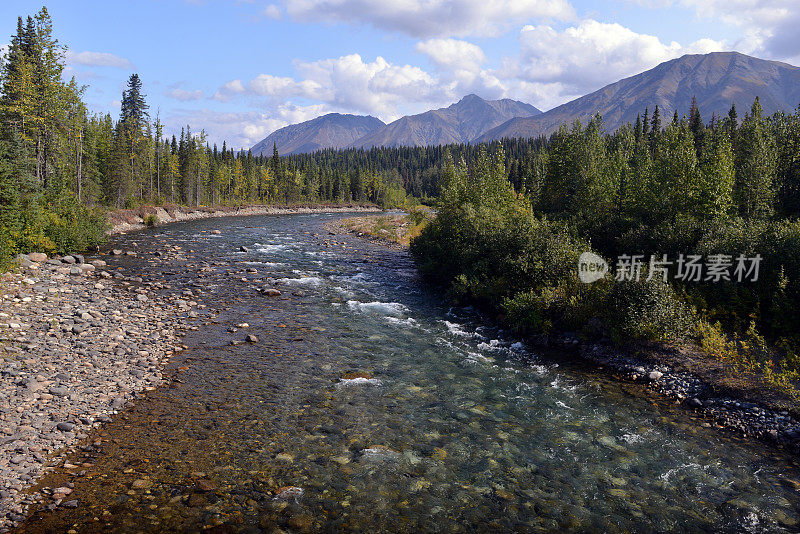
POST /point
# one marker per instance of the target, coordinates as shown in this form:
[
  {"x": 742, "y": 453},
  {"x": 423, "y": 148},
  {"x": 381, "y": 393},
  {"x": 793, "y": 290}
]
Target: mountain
[
  {"x": 333, "y": 130},
  {"x": 716, "y": 79},
  {"x": 461, "y": 122}
]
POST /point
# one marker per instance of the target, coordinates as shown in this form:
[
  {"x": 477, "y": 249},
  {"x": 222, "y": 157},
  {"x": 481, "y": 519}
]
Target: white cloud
[
  {"x": 347, "y": 83},
  {"x": 431, "y": 18},
  {"x": 453, "y": 54},
  {"x": 185, "y": 96},
  {"x": 229, "y": 90},
  {"x": 97, "y": 59},
  {"x": 279, "y": 88},
  {"x": 592, "y": 54},
  {"x": 377, "y": 87},
  {"x": 272, "y": 12},
  {"x": 769, "y": 26},
  {"x": 241, "y": 129},
  {"x": 460, "y": 68}
]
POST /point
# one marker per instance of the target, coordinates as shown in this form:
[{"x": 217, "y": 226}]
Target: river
[{"x": 369, "y": 405}]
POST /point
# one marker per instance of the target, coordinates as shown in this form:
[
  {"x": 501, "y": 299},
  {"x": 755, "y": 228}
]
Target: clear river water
[{"x": 369, "y": 405}]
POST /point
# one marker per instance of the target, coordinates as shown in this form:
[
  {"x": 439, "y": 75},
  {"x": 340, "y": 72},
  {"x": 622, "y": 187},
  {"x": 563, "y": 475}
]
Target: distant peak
[{"x": 470, "y": 97}]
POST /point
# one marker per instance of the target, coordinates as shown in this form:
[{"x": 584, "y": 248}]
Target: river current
[{"x": 370, "y": 405}]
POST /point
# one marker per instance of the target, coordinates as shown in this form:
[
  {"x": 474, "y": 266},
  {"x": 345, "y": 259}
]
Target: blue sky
[{"x": 241, "y": 69}]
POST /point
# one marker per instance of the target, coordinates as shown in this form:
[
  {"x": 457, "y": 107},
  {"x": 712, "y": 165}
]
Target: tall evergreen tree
[{"x": 755, "y": 165}]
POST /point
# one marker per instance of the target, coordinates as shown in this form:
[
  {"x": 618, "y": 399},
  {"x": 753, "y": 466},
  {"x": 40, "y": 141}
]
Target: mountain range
[
  {"x": 333, "y": 130},
  {"x": 716, "y": 80},
  {"x": 462, "y": 122}
]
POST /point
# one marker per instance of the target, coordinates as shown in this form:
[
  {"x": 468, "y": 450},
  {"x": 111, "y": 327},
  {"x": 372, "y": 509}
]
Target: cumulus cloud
[
  {"x": 460, "y": 68},
  {"x": 453, "y": 54},
  {"x": 431, "y": 18},
  {"x": 347, "y": 83},
  {"x": 769, "y": 27},
  {"x": 97, "y": 59},
  {"x": 241, "y": 129},
  {"x": 279, "y": 88},
  {"x": 229, "y": 90},
  {"x": 585, "y": 57},
  {"x": 184, "y": 95}
]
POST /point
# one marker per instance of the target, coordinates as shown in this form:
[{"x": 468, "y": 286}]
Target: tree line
[
  {"x": 510, "y": 231},
  {"x": 60, "y": 165}
]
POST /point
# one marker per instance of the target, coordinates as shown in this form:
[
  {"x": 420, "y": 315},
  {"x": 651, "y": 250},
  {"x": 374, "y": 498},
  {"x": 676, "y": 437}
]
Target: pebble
[
  {"x": 77, "y": 351},
  {"x": 142, "y": 483},
  {"x": 744, "y": 417}
]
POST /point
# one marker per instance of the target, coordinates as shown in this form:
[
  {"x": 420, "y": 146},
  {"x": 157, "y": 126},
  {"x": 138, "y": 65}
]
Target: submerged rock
[
  {"x": 270, "y": 292},
  {"x": 289, "y": 493}
]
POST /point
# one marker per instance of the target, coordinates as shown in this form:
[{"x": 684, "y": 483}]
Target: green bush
[
  {"x": 71, "y": 226},
  {"x": 6, "y": 249},
  {"x": 649, "y": 310},
  {"x": 150, "y": 220},
  {"x": 571, "y": 305},
  {"x": 56, "y": 223}
]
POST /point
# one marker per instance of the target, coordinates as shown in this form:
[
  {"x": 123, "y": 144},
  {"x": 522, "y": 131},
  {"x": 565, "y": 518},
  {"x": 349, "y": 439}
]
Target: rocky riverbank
[
  {"x": 128, "y": 220},
  {"x": 663, "y": 370},
  {"x": 75, "y": 348},
  {"x": 741, "y": 404}
]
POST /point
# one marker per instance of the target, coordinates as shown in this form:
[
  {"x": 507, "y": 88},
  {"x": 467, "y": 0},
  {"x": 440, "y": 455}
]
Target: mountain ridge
[
  {"x": 716, "y": 79},
  {"x": 461, "y": 122},
  {"x": 332, "y": 130}
]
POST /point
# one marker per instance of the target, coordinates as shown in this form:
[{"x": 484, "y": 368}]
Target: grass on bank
[{"x": 400, "y": 228}]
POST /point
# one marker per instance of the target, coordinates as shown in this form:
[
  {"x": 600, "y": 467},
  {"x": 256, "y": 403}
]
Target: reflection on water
[{"x": 370, "y": 406}]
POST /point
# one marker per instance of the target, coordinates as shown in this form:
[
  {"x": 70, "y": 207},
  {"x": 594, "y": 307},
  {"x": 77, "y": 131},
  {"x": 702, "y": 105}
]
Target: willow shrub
[
  {"x": 649, "y": 310},
  {"x": 57, "y": 223}
]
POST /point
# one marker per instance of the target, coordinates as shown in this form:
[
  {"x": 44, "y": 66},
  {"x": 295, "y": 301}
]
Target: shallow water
[{"x": 392, "y": 413}]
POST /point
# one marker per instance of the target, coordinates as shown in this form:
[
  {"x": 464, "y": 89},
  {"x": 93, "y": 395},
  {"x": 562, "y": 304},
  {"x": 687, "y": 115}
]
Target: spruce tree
[{"x": 755, "y": 165}]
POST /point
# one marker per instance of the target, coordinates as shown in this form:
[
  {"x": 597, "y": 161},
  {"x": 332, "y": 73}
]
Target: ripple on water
[
  {"x": 384, "y": 308},
  {"x": 359, "y": 381},
  {"x": 308, "y": 281},
  {"x": 267, "y": 249},
  {"x": 484, "y": 433}
]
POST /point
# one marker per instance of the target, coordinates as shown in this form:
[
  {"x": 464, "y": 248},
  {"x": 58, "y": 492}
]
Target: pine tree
[
  {"x": 696, "y": 125},
  {"x": 655, "y": 129}
]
